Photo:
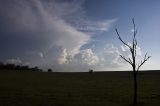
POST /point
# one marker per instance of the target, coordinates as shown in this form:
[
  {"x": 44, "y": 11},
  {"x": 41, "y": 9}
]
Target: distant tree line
[{"x": 19, "y": 67}]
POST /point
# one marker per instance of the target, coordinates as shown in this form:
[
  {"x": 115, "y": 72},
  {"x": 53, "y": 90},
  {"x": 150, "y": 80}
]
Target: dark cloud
[
  {"x": 33, "y": 27},
  {"x": 47, "y": 33}
]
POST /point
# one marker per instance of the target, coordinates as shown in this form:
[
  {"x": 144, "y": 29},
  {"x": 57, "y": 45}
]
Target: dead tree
[{"x": 132, "y": 61}]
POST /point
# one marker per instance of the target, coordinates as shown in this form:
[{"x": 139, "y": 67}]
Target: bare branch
[
  {"x": 119, "y": 37},
  {"x": 134, "y": 28},
  {"x": 145, "y": 56},
  {"x": 142, "y": 62},
  {"x": 129, "y": 61},
  {"x": 135, "y": 42},
  {"x": 131, "y": 50},
  {"x": 136, "y": 31}
]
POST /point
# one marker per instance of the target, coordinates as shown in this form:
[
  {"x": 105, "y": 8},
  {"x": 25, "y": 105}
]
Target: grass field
[{"x": 77, "y": 89}]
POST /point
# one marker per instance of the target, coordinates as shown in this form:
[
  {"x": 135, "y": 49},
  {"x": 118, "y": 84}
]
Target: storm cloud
[{"x": 45, "y": 33}]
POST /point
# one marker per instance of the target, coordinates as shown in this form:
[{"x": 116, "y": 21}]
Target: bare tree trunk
[
  {"x": 135, "y": 77},
  {"x": 135, "y": 87}
]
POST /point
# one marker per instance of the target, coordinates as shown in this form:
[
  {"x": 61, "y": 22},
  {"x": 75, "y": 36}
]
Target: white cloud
[
  {"x": 95, "y": 26},
  {"x": 110, "y": 56},
  {"x": 126, "y": 51},
  {"x": 139, "y": 52},
  {"x": 132, "y": 30},
  {"x": 16, "y": 61},
  {"x": 87, "y": 57},
  {"x": 63, "y": 57},
  {"x": 40, "y": 54},
  {"x": 108, "y": 59}
]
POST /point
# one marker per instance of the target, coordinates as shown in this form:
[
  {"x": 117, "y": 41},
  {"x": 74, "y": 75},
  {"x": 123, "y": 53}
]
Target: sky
[{"x": 78, "y": 35}]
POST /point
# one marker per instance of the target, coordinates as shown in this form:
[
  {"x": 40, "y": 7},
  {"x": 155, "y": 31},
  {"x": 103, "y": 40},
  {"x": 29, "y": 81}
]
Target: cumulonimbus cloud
[
  {"x": 44, "y": 32},
  {"x": 41, "y": 23}
]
